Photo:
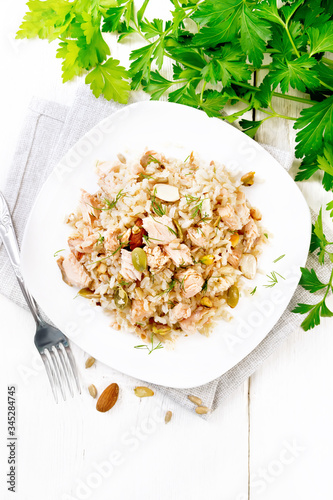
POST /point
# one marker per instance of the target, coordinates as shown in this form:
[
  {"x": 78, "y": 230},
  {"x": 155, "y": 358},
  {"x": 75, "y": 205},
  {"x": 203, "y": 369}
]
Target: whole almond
[
  {"x": 90, "y": 361},
  {"x": 143, "y": 392},
  {"x": 197, "y": 401},
  {"x": 108, "y": 398},
  {"x": 92, "y": 391}
]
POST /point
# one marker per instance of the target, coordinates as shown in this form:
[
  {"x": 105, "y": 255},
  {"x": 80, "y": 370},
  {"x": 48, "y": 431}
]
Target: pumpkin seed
[
  {"x": 88, "y": 294},
  {"x": 92, "y": 391},
  {"x": 161, "y": 329},
  {"x": 202, "y": 410},
  {"x": 120, "y": 298},
  {"x": 139, "y": 259},
  {"x": 248, "y": 179},
  {"x": 90, "y": 361},
  {"x": 197, "y": 401},
  {"x": 168, "y": 417},
  {"x": 233, "y": 296},
  {"x": 143, "y": 392}
]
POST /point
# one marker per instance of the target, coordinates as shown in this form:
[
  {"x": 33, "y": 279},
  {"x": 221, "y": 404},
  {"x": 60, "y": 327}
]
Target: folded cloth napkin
[{"x": 50, "y": 129}]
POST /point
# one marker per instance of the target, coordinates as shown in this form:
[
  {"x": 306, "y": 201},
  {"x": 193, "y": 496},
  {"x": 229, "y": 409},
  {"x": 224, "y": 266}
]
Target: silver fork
[{"x": 51, "y": 343}]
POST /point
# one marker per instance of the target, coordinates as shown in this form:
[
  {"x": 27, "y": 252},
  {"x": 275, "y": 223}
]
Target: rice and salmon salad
[{"x": 164, "y": 244}]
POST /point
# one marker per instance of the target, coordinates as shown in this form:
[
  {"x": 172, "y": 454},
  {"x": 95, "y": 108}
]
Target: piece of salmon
[
  {"x": 235, "y": 219},
  {"x": 111, "y": 240},
  {"x": 156, "y": 258},
  {"x": 189, "y": 325},
  {"x": 200, "y": 236},
  {"x": 73, "y": 273},
  {"x": 234, "y": 256},
  {"x": 160, "y": 230},
  {"x": 251, "y": 234},
  {"x": 83, "y": 246},
  {"x": 191, "y": 282},
  {"x": 138, "y": 312},
  {"x": 87, "y": 204},
  {"x": 179, "y": 312},
  {"x": 179, "y": 253},
  {"x": 127, "y": 270}
]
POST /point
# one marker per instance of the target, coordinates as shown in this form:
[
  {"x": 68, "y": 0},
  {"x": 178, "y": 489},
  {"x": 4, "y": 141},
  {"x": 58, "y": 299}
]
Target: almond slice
[{"x": 166, "y": 192}]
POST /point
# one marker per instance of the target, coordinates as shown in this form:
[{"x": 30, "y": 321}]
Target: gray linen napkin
[{"x": 50, "y": 129}]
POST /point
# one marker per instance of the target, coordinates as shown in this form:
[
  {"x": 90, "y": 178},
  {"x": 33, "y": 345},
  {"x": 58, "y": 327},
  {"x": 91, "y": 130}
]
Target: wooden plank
[{"x": 291, "y": 409}]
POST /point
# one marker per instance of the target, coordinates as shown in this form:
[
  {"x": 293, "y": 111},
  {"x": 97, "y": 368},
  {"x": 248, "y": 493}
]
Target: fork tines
[{"x": 61, "y": 370}]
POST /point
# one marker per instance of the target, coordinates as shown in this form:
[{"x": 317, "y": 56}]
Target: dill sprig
[
  {"x": 157, "y": 207},
  {"x": 110, "y": 204},
  {"x": 279, "y": 258},
  {"x": 58, "y": 251},
  {"x": 150, "y": 348},
  {"x": 253, "y": 291},
  {"x": 168, "y": 289},
  {"x": 273, "y": 279}
]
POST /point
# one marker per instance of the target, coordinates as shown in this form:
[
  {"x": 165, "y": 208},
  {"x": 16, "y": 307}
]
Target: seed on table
[
  {"x": 202, "y": 410},
  {"x": 90, "y": 361},
  {"x": 143, "y": 392},
  {"x": 92, "y": 391},
  {"x": 168, "y": 416},
  {"x": 248, "y": 179},
  {"x": 195, "y": 400}
]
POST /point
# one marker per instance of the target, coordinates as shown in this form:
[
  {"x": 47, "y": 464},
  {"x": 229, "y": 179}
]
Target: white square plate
[{"x": 175, "y": 130}]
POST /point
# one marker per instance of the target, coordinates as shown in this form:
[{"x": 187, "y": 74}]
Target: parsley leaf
[
  {"x": 109, "y": 79},
  {"x": 316, "y": 124},
  {"x": 321, "y": 40},
  {"x": 294, "y": 73},
  {"x": 310, "y": 280}
]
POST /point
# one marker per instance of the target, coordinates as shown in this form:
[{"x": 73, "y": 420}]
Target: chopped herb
[
  {"x": 150, "y": 348},
  {"x": 187, "y": 158},
  {"x": 157, "y": 208},
  {"x": 167, "y": 290},
  {"x": 197, "y": 208},
  {"x": 279, "y": 258},
  {"x": 110, "y": 204},
  {"x": 153, "y": 159},
  {"x": 119, "y": 248},
  {"x": 266, "y": 235},
  {"x": 58, "y": 251},
  {"x": 253, "y": 291},
  {"x": 125, "y": 283},
  {"x": 205, "y": 286},
  {"x": 273, "y": 277},
  {"x": 146, "y": 176},
  {"x": 101, "y": 239}
]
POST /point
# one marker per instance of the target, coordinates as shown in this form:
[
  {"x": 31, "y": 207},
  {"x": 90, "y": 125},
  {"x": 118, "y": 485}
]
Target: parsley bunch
[
  {"x": 216, "y": 47},
  {"x": 310, "y": 280}
]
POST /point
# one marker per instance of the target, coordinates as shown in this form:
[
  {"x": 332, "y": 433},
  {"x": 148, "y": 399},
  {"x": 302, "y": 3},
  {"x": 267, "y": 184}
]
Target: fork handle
[{"x": 10, "y": 243}]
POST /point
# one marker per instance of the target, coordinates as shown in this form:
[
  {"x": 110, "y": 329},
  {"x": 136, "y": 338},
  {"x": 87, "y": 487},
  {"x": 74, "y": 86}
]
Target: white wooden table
[{"x": 271, "y": 440}]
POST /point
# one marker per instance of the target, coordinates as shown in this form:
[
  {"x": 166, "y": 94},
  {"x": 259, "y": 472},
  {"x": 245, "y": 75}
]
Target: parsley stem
[
  {"x": 329, "y": 285},
  {"x": 275, "y": 94}
]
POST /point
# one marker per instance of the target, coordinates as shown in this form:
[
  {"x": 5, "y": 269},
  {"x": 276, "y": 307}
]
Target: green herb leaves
[
  {"x": 310, "y": 281},
  {"x": 109, "y": 79},
  {"x": 214, "y": 59}
]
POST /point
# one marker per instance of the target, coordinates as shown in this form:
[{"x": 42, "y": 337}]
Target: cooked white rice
[{"x": 105, "y": 222}]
